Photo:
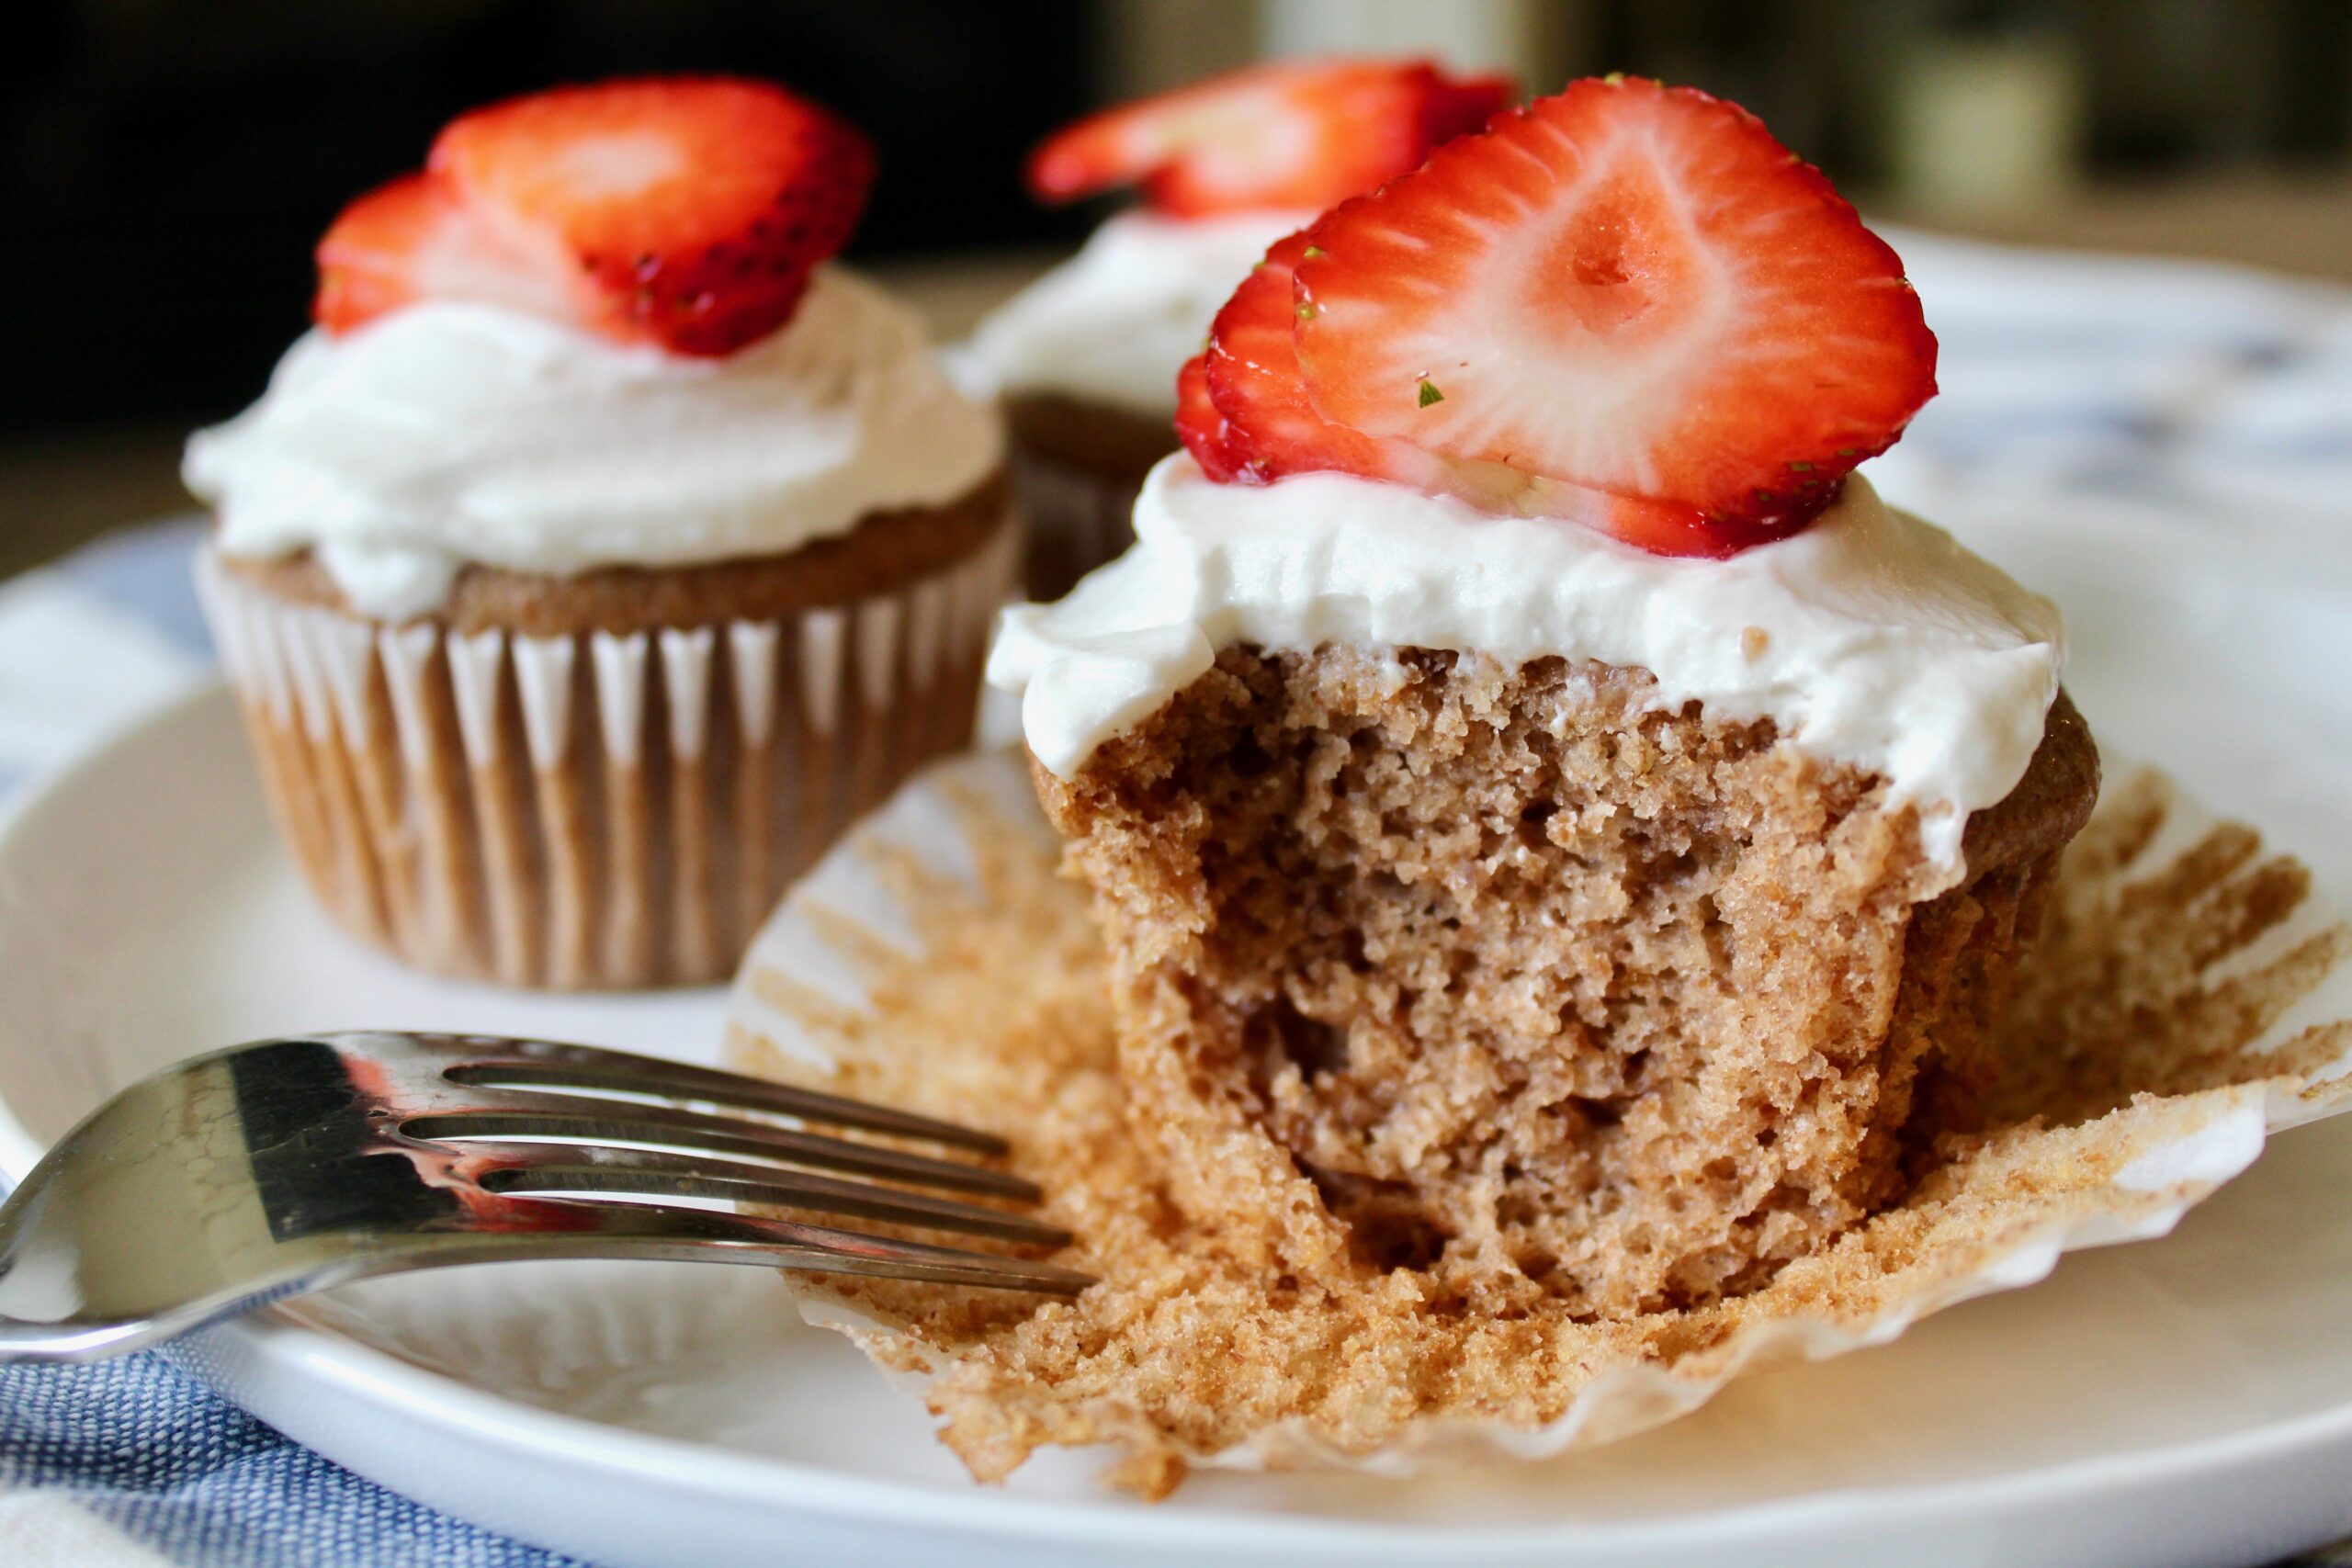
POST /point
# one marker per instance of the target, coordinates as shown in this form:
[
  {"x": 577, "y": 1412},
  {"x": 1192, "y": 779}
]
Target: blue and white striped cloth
[
  {"x": 2213, "y": 390},
  {"x": 134, "y": 1463}
]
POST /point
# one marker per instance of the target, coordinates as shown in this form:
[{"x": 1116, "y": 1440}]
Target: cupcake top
[
  {"x": 1587, "y": 384},
  {"x": 1870, "y": 638},
  {"x": 1226, "y": 166},
  {"x": 458, "y": 432},
  {"x": 598, "y": 330}
]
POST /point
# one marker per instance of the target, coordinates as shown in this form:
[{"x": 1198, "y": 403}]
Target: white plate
[{"x": 2187, "y": 1401}]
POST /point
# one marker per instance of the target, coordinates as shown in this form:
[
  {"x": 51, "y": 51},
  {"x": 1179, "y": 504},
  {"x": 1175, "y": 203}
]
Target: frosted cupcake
[
  {"x": 604, "y": 548},
  {"x": 1559, "y": 839},
  {"x": 1086, "y": 357}
]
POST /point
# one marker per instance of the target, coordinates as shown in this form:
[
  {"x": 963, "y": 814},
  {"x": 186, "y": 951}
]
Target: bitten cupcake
[
  {"x": 1557, "y": 836},
  {"x": 603, "y": 550},
  {"x": 1086, "y": 357}
]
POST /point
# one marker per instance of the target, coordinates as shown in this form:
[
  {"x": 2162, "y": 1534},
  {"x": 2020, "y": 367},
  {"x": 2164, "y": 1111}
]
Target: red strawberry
[
  {"x": 694, "y": 206},
  {"x": 1244, "y": 414},
  {"x": 1250, "y": 374},
  {"x": 1628, "y": 288},
  {"x": 1294, "y": 133},
  {"x": 412, "y": 240},
  {"x": 1199, "y": 426},
  {"x": 1462, "y": 105}
]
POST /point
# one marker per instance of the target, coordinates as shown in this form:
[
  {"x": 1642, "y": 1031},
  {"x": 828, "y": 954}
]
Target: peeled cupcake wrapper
[
  {"x": 2155, "y": 1124},
  {"x": 591, "y": 810}
]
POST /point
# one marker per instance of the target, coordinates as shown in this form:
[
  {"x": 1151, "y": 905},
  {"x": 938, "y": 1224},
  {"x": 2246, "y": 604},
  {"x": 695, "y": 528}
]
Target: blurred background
[{"x": 167, "y": 165}]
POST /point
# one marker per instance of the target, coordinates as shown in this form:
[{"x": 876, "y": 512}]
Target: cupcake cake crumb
[{"x": 1513, "y": 979}]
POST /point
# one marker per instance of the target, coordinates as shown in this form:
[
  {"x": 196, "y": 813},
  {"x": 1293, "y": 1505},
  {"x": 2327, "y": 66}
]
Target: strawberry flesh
[
  {"x": 1200, "y": 426},
  {"x": 1250, "y": 374},
  {"x": 1625, "y": 288},
  {"x": 1245, "y": 415},
  {"x": 1291, "y": 134},
  {"x": 692, "y": 208},
  {"x": 411, "y": 240},
  {"x": 1460, "y": 105}
]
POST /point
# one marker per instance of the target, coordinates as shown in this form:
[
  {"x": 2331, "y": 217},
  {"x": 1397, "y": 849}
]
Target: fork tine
[
  {"x": 549, "y": 1064},
  {"x": 540, "y": 1118},
  {"x": 822, "y": 1248},
  {"x": 577, "y": 1168}
]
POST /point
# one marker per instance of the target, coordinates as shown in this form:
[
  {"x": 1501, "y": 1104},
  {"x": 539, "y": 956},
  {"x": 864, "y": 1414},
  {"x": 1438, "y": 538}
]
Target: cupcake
[
  {"x": 1558, "y": 835},
  {"x": 1086, "y": 357},
  {"x": 604, "y": 547}
]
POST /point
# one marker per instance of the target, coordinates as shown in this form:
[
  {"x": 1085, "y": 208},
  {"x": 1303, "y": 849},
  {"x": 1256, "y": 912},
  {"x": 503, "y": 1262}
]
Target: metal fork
[{"x": 260, "y": 1172}]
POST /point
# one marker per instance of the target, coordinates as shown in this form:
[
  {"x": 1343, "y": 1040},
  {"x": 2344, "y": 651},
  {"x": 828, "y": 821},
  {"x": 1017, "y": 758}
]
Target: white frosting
[
  {"x": 447, "y": 433},
  {"x": 1116, "y": 322},
  {"x": 1871, "y": 639}
]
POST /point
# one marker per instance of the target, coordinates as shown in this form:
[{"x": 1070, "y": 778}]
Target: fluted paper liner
[
  {"x": 2189, "y": 998},
  {"x": 596, "y": 810}
]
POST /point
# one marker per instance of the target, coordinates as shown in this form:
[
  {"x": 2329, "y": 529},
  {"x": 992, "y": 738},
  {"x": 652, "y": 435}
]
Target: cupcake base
[
  {"x": 1078, "y": 468},
  {"x": 545, "y": 787}
]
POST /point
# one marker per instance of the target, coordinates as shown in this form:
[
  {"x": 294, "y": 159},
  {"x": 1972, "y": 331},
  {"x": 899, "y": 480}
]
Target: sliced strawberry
[
  {"x": 1199, "y": 426},
  {"x": 1460, "y": 106},
  {"x": 412, "y": 240},
  {"x": 1671, "y": 527},
  {"x": 1244, "y": 412},
  {"x": 1627, "y": 288},
  {"x": 1250, "y": 373},
  {"x": 1294, "y": 133},
  {"x": 694, "y": 206}
]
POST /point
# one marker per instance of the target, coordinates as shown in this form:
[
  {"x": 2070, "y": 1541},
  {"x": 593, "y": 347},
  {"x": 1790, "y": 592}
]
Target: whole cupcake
[
  {"x": 1086, "y": 357},
  {"x": 604, "y": 549}
]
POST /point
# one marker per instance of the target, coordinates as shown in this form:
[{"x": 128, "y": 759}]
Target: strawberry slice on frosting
[{"x": 1626, "y": 305}]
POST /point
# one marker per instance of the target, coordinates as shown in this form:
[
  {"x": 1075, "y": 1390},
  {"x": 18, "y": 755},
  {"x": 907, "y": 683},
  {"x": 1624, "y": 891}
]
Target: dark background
[{"x": 168, "y": 166}]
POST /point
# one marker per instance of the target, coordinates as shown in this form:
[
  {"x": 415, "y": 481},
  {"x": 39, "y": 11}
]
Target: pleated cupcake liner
[
  {"x": 595, "y": 810},
  {"x": 2192, "y": 999}
]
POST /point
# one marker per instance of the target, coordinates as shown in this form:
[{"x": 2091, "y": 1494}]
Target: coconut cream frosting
[
  {"x": 448, "y": 434},
  {"x": 1871, "y": 639},
  {"x": 1116, "y": 322}
]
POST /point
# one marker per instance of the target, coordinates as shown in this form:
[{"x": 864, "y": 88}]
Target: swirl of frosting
[
  {"x": 449, "y": 433},
  {"x": 1871, "y": 639}
]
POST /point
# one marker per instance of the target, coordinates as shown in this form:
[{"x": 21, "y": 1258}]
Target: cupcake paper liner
[
  {"x": 598, "y": 809},
  {"x": 2190, "y": 997}
]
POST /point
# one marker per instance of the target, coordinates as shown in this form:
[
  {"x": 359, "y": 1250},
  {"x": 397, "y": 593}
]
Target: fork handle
[{"x": 87, "y": 1336}]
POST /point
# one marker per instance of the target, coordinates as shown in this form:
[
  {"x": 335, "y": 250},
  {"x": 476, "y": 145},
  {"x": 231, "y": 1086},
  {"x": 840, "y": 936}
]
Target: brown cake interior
[{"x": 1501, "y": 978}]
